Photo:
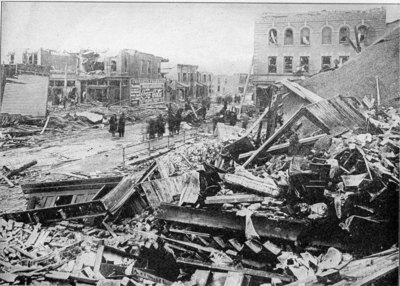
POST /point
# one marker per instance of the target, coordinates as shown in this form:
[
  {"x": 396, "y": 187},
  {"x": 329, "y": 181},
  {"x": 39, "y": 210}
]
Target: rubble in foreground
[{"x": 196, "y": 217}]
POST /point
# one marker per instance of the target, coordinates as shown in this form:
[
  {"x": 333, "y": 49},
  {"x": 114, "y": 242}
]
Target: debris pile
[{"x": 201, "y": 215}]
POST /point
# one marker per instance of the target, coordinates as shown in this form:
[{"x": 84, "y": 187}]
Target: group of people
[
  {"x": 229, "y": 116},
  {"x": 117, "y": 125},
  {"x": 156, "y": 127},
  {"x": 174, "y": 121}
]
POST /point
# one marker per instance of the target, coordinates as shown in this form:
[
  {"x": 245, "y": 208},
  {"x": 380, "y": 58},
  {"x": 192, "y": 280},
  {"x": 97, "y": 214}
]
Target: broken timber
[
  {"x": 264, "y": 226},
  {"x": 65, "y": 212},
  {"x": 245, "y": 271}
]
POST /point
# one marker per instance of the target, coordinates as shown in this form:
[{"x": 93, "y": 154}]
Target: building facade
[
  {"x": 105, "y": 76},
  {"x": 295, "y": 45},
  {"x": 229, "y": 84}
]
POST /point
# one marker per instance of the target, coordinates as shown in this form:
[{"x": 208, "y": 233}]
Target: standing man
[
  {"x": 121, "y": 125},
  {"x": 160, "y": 126},
  {"x": 113, "y": 124}
]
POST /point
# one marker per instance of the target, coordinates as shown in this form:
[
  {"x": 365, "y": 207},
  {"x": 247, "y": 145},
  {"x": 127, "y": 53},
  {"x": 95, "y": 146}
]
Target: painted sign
[{"x": 146, "y": 93}]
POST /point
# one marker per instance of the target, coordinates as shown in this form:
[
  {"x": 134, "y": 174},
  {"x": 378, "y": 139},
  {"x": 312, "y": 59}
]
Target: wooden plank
[
  {"x": 45, "y": 125},
  {"x": 268, "y": 143},
  {"x": 265, "y": 227},
  {"x": 69, "y": 185},
  {"x": 232, "y": 199},
  {"x": 234, "y": 279},
  {"x": 245, "y": 271},
  {"x": 23, "y": 252},
  {"x": 376, "y": 275},
  {"x": 98, "y": 259},
  {"x": 283, "y": 146},
  {"x": 109, "y": 229},
  {"x": 34, "y": 236},
  {"x": 7, "y": 180},
  {"x": 201, "y": 277}
]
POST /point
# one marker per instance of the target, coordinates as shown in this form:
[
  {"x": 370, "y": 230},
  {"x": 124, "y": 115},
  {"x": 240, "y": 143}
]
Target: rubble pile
[{"x": 195, "y": 216}]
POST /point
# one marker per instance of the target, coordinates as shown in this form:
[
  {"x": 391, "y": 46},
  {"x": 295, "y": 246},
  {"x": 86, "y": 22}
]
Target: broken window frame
[
  {"x": 273, "y": 36},
  {"x": 305, "y": 65},
  {"x": 326, "y": 35},
  {"x": 272, "y": 67},
  {"x": 184, "y": 77},
  {"x": 204, "y": 78},
  {"x": 362, "y": 36},
  {"x": 288, "y": 39},
  {"x": 344, "y": 34},
  {"x": 148, "y": 67},
  {"x": 287, "y": 64},
  {"x": 305, "y": 36},
  {"x": 324, "y": 58}
]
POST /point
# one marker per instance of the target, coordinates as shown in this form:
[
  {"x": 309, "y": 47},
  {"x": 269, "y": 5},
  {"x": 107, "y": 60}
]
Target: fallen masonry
[{"x": 207, "y": 214}]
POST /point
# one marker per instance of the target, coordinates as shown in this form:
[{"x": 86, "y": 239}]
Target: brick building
[
  {"x": 295, "y": 45},
  {"x": 127, "y": 76},
  {"x": 106, "y": 76}
]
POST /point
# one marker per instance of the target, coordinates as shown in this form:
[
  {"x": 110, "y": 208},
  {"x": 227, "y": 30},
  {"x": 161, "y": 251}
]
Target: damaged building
[{"x": 299, "y": 45}]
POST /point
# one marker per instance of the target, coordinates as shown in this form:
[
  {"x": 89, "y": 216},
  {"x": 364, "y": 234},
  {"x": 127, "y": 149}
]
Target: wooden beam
[
  {"x": 276, "y": 135},
  {"x": 232, "y": 199},
  {"x": 245, "y": 271},
  {"x": 281, "y": 147}
]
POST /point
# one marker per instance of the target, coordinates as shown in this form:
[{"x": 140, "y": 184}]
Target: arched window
[
  {"x": 273, "y": 36},
  {"x": 362, "y": 33},
  {"x": 326, "y": 35},
  {"x": 305, "y": 36},
  {"x": 344, "y": 33},
  {"x": 288, "y": 37}
]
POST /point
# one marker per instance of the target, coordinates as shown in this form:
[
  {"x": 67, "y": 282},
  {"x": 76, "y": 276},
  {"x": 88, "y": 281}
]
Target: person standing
[
  {"x": 113, "y": 124},
  {"x": 121, "y": 125},
  {"x": 160, "y": 126}
]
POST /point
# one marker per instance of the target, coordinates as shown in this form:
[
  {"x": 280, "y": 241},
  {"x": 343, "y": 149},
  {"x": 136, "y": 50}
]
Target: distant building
[
  {"x": 186, "y": 81},
  {"x": 230, "y": 84},
  {"x": 295, "y": 45},
  {"x": 125, "y": 76}
]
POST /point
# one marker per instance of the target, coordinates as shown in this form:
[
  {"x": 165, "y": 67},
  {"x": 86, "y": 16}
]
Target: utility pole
[{"x": 246, "y": 84}]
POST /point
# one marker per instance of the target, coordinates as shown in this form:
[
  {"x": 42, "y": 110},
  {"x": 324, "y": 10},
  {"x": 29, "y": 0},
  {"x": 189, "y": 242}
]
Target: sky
[{"x": 218, "y": 37}]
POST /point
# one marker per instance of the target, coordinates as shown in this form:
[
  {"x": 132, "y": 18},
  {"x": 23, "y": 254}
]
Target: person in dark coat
[
  {"x": 113, "y": 124},
  {"x": 178, "y": 120},
  {"x": 152, "y": 128},
  {"x": 160, "y": 126},
  {"x": 233, "y": 118},
  {"x": 121, "y": 125},
  {"x": 171, "y": 122}
]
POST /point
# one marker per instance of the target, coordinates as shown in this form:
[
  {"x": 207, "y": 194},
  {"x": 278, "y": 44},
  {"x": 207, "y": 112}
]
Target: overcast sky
[{"x": 217, "y": 37}]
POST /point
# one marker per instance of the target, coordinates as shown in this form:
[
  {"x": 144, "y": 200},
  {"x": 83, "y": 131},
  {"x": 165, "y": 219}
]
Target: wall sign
[{"x": 145, "y": 93}]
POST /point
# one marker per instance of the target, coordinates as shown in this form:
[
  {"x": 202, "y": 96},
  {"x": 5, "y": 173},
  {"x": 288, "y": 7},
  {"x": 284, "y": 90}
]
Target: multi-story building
[
  {"x": 128, "y": 75},
  {"x": 187, "y": 82},
  {"x": 204, "y": 83},
  {"x": 125, "y": 76},
  {"x": 230, "y": 84},
  {"x": 295, "y": 45}
]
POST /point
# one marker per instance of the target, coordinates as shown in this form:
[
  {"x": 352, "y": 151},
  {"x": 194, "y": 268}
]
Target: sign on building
[{"x": 146, "y": 93}]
